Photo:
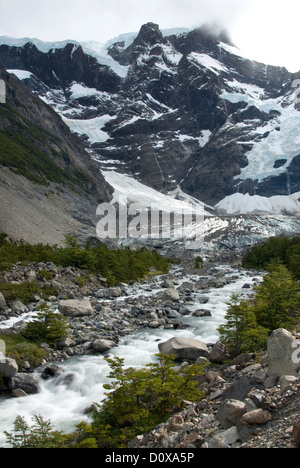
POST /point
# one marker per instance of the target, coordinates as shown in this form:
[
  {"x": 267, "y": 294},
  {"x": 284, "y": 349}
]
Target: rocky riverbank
[{"x": 254, "y": 402}]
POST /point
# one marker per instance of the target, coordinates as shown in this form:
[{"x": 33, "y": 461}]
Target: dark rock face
[{"x": 188, "y": 111}]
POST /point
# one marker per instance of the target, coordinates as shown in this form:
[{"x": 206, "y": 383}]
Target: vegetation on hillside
[
  {"x": 117, "y": 265},
  {"x": 282, "y": 250},
  {"x": 30, "y": 151}
]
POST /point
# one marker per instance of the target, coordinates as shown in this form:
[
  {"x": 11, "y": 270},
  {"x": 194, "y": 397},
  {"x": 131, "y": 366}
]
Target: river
[{"x": 64, "y": 400}]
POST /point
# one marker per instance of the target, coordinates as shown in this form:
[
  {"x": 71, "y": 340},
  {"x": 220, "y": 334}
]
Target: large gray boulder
[
  {"x": 101, "y": 345},
  {"x": 283, "y": 357},
  {"x": 184, "y": 348},
  {"x": 231, "y": 412},
  {"x": 29, "y": 383},
  {"x": 76, "y": 307},
  {"x": 171, "y": 294},
  {"x": 8, "y": 367}
]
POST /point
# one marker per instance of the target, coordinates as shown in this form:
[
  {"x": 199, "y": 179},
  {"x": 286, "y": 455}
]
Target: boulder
[
  {"x": 8, "y": 367},
  {"x": 257, "y": 417},
  {"x": 286, "y": 381},
  {"x": 225, "y": 438},
  {"x": 18, "y": 307},
  {"x": 167, "y": 283},
  {"x": 76, "y": 307},
  {"x": 219, "y": 353},
  {"x": 296, "y": 434},
  {"x": 184, "y": 348},
  {"x": 102, "y": 345},
  {"x": 282, "y": 354},
  {"x": 170, "y": 294},
  {"x": 52, "y": 370},
  {"x": 29, "y": 383},
  {"x": 231, "y": 412}
]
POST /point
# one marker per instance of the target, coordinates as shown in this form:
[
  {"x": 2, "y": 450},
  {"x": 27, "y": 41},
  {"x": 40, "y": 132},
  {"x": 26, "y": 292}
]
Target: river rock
[
  {"x": 282, "y": 354},
  {"x": 170, "y": 294},
  {"x": 102, "y": 345},
  {"x": 109, "y": 292},
  {"x": 8, "y": 367},
  {"x": 184, "y": 348},
  {"x": 18, "y": 307},
  {"x": 75, "y": 307},
  {"x": 167, "y": 283},
  {"x": 29, "y": 383}
]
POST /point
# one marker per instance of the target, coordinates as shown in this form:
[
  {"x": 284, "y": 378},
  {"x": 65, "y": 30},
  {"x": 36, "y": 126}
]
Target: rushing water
[{"x": 64, "y": 400}]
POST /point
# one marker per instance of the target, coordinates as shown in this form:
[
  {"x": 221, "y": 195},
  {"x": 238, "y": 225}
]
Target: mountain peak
[{"x": 149, "y": 34}]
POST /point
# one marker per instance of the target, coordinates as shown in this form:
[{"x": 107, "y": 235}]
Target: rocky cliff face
[
  {"x": 49, "y": 186},
  {"x": 185, "y": 109}
]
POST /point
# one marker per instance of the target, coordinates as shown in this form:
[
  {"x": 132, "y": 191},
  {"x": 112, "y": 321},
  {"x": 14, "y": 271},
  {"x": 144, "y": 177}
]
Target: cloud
[
  {"x": 267, "y": 30},
  {"x": 102, "y": 19}
]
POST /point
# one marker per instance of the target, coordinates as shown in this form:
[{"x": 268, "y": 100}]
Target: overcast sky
[{"x": 267, "y": 30}]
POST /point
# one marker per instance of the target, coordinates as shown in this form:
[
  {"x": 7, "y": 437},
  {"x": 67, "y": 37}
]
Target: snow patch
[
  {"x": 207, "y": 62},
  {"x": 21, "y": 74},
  {"x": 245, "y": 204},
  {"x": 91, "y": 127}
]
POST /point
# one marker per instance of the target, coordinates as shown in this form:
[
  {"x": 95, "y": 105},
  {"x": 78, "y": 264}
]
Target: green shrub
[
  {"x": 276, "y": 250},
  {"x": 49, "y": 327},
  {"x": 241, "y": 332},
  {"x": 139, "y": 399},
  {"x": 277, "y": 299},
  {"x": 26, "y": 291},
  {"x": 117, "y": 265},
  {"x": 39, "y": 435}
]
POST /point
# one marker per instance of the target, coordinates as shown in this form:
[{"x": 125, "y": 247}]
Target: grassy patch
[
  {"x": 21, "y": 349},
  {"x": 25, "y": 291}
]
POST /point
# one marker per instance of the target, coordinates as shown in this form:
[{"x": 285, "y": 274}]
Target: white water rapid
[{"x": 64, "y": 400}]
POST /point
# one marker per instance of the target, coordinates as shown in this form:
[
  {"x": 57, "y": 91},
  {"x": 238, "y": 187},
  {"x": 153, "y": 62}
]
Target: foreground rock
[
  {"x": 8, "y": 367},
  {"x": 282, "y": 354},
  {"x": 184, "y": 348},
  {"x": 241, "y": 409}
]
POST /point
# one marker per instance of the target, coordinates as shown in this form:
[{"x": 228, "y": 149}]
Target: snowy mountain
[{"x": 176, "y": 111}]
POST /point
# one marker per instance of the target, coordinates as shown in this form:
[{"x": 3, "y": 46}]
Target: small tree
[
  {"x": 139, "y": 399},
  {"x": 49, "y": 326},
  {"x": 277, "y": 299},
  {"x": 241, "y": 333},
  {"x": 39, "y": 435}
]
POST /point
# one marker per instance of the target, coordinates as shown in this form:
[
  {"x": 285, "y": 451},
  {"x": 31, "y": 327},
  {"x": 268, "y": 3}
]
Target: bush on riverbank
[
  {"x": 117, "y": 265},
  {"x": 276, "y": 304},
  {"x": 138, "y": 400}
]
